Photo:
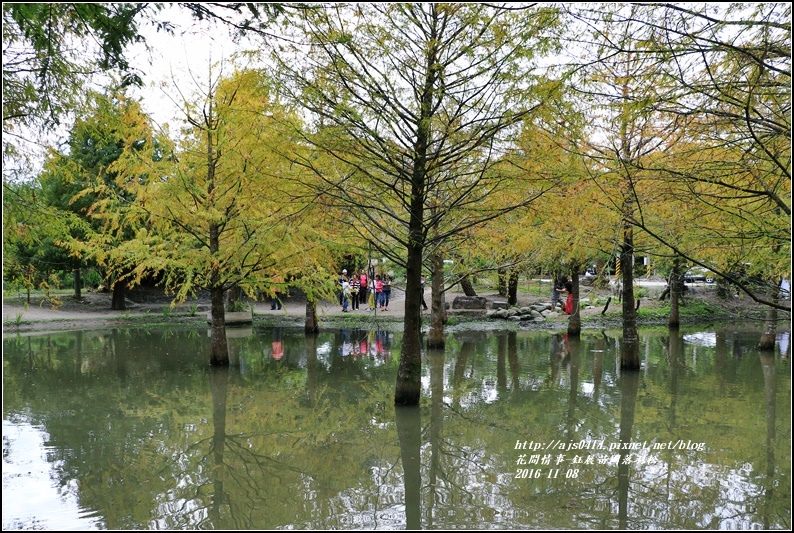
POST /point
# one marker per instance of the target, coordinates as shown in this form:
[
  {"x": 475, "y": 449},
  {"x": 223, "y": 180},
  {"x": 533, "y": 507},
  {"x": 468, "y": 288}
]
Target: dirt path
[{"x": 94, "y": 312}]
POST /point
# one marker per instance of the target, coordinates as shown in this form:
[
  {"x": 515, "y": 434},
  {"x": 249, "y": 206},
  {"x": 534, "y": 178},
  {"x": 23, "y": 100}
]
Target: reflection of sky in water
[
  {"x": 37, "y": 503},
  {"x": 701, "y": 339},
  {"x": 710, "y": 340},
  {"x": 324, "y": 349},
  {"x": 730, "y": 482}
]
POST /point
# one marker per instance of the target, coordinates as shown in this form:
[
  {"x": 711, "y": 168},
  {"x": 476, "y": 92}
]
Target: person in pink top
[
  {"x": 378, "y": 292},
  {"x": 362, "y": 294}
]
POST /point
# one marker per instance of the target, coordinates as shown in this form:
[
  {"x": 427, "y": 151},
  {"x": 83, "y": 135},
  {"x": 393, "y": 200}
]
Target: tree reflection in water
[
  {"x": 313, "y": 441},
  {"x": 409, "y": 431}
]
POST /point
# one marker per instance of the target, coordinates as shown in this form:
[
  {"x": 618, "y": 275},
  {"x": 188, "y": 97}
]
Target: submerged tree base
[
  {"x": 408, "y": 391},
  {"x": 407, "y": 395}
]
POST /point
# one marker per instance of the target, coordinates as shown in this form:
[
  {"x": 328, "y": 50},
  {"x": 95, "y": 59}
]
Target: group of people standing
[{"x": 359, "y": 289}]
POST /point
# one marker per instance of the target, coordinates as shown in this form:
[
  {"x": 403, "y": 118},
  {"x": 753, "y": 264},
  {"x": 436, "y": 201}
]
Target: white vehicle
[{"x": 698, "y": 274}]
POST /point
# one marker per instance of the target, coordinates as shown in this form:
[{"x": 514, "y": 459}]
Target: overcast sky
[{"x": 194, "y": 45}]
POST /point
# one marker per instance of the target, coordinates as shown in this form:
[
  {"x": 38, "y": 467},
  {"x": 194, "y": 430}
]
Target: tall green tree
[
  {"x": 416, "y": 103},
  {"x": 82, "y": 181}
]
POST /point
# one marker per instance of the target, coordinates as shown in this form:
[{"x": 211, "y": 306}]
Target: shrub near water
[
  {"x": 690, "y": 310},
  {"x": 653, "y": 311}
]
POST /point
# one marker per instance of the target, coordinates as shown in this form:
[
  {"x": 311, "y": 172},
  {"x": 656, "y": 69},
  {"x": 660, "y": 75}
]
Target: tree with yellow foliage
[{"x": 219, "y": 211}]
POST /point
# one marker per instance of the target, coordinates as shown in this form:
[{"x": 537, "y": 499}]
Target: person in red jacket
[{"x": 569, "y": 300}]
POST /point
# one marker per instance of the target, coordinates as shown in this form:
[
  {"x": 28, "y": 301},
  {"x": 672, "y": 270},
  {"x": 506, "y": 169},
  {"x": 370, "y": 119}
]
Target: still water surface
[{"x": 130, "y": 429}]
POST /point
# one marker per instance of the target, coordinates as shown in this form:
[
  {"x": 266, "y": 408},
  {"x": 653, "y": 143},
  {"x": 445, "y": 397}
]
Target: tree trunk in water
[
  {"x": 437, "y": 409},
  {"x": 312, "y": 324},
  {"x": 467, "y": 287},
  {"x": 409, "y": 372},
  {"x": 118, "y": 302},
  {"x": 312, "y": 369},
  {"x": 676, "y": 288},
  {"x": 77, "y": 285},
  {"x": 575, "y": 320},
  {"x": 219, "y": 355},
  {"x": 435, "y": 337},
  {"x": 512, "y": 287},
  {"x": 675, "y": 351},
  {"x": 629, "y": 386},
  {"x": 501, "y": 368},
  {"x": 573, "y": 370},
  {"x": 502, "y": 281},
  {"x": 467, "y": 349},
  {"x": 512, "y": 359},
  {"x": 630, "y": 347},
  {"x": 219, "y": 379},
  {"x": 770, "y": 390}
]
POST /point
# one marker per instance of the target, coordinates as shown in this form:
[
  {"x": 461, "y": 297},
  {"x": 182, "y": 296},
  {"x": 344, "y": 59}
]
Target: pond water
[{"x": 131, "y": 429}]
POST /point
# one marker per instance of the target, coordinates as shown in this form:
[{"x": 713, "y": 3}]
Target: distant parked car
[{"x": 698, "y": 274}]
